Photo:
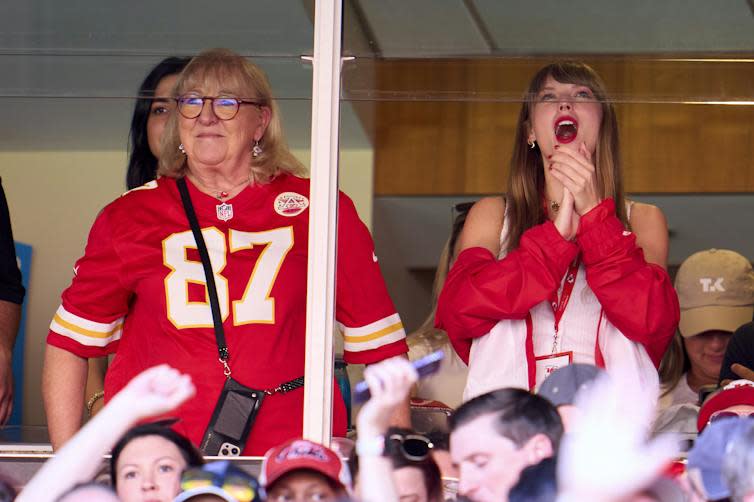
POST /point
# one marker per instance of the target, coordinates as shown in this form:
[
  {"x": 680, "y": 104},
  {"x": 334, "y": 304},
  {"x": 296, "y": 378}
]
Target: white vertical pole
[{"x": 318, "y": 391}]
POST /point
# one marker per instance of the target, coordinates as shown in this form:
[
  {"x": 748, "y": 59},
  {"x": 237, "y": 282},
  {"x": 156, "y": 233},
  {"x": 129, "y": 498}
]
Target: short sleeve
[
  {"x": 371, "y": 328},
  {"x": 89, "y": 321}
]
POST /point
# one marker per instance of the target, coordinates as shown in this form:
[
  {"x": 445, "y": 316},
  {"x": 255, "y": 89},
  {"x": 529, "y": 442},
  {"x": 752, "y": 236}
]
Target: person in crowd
[
  {"x": 153, "y": 107},
  {"x": 154, "y": 391},
  {"x": 738, "y": 362},
  {"x": 221, "y": 481},
  {"x": 11, "y": 297},
  {"x": 562, "y": 387},
  {"x": 389, "y": 384},
  {"x": 606, "y": 456},
  {"x": 304, "y": 470},
  {"x": 494, "y": 436},
  {"x": 147, "y": 462},
  {"x": 537, "y": 483},
  {"x": 716, "y": 293},
  {"x": 734, "y": 400},
  {"x": 706, "y": 458},
  {"x": 738, "y": 465},
  {"x": 446, "y": 386},
  {"x": 563, "y": 269},
  {"x": 140, "y": 291},
  {"x": 416, "y": 475}
]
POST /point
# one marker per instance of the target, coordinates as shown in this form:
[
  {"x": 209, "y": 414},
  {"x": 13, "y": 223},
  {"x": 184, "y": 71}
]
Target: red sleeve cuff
[
  {"x": 75, "y": 348},
  {"x": 600, "y": 232},
  {"x": 559, "y": 251}
]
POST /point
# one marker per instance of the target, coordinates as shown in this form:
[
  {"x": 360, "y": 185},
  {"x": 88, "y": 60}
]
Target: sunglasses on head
[
  {"x": 719, "y": 415},
  {"x": 237, "y": 486},
  {"x": 413, "y": 446}
]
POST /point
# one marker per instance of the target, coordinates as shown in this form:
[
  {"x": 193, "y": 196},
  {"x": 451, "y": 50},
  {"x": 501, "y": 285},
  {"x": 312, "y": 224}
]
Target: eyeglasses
[
  {"x": 413, "y": 446},
  {"x": 224, "y": 108},
  {"x": 237, "y": 486},
  {"x": 719, "y": 415}
]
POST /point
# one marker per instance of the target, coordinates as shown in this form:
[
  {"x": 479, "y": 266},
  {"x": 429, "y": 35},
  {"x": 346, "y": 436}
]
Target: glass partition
[
  {"x": 440, "y": 86},
  {"x": 69, "y": 77}
]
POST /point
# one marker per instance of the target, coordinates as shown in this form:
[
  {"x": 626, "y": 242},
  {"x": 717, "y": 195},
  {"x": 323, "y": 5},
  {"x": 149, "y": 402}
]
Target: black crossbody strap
[{"x": 222, "y": 347}]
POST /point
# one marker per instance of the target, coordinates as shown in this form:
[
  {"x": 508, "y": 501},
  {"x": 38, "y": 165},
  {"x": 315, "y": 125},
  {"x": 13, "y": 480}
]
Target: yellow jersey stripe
[
  {"x": 378, "y": 334},
  {"x": 86, "y": 332}
]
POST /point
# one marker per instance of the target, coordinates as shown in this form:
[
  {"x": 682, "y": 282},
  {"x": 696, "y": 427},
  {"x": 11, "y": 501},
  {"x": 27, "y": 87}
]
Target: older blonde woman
[{"x": 140, "y": 290}]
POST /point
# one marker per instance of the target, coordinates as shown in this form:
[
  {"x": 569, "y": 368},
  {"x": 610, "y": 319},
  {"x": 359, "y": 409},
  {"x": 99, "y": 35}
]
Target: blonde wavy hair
[
  {"x": 526, "y": 181},
  {"x": 250, "y": 82}
]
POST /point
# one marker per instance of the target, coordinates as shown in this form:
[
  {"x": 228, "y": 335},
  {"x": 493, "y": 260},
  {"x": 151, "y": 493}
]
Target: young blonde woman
[{"x": 563, "y": 269}]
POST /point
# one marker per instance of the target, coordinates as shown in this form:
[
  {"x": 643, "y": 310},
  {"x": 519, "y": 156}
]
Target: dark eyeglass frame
[
  {"x": 417, "y": 440},
  {"x": 213, "y": 99},
  {"x": 722, "y": 414}
]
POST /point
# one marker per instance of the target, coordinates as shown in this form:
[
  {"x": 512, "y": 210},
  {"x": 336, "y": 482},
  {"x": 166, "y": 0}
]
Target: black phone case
[{"x": 232, "y": 420}]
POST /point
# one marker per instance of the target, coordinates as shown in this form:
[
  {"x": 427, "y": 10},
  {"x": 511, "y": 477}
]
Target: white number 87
[{"x": 255, "y": 306}]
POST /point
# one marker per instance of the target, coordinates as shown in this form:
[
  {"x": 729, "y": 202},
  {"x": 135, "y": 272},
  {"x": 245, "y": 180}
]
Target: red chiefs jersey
[{"x": 139, "y": 292}]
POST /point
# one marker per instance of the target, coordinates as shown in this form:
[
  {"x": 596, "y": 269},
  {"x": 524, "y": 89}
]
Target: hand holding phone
[{"x": 424, "y": 367}]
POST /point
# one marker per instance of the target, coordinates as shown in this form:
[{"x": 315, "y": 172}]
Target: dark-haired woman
[
  {"x": 151, "y": 113},
  {"x": 563, "y": 269},
  {"x": 147, "y": 463}
]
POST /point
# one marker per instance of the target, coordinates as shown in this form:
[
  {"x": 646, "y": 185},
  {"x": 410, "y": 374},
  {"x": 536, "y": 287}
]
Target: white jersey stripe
[
  {"x": 83, "y": 339},
  {"x": 370, "y": 329},
  {"x": 84, "y": 331},
  {"x": 86, "y": 325},
  {"x": 374, "y": 335}
]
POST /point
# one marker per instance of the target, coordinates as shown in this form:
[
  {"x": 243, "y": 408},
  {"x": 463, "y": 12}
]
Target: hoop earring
[
  {"x": 532, "y": 143},
  {"x": 256, "y": 150},
  {"x": 182, "y": 149}
]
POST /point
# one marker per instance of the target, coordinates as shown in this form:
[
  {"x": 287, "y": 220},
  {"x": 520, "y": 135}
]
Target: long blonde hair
[
  {"x": 427, "y": 333},
  {"x": 526, "y": 181},
  {"x": 238, "y": 73}
]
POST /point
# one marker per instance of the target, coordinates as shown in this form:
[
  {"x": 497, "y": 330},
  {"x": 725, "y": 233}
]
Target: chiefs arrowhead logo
[{"x": 290, "y": 204}]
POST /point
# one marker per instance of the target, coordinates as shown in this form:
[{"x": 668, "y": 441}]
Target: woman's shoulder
[
  {"x": 649, "y": 225},
  {"x": 642, "y": 213},
  {"x": 647, "y": 218},
  {"x": 484, "y": 225}
]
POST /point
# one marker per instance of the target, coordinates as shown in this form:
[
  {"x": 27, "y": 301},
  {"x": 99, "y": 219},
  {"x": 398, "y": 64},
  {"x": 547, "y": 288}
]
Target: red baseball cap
[
  {"x": 302, "y": 454},
  {"x": 737, "y": 392}
]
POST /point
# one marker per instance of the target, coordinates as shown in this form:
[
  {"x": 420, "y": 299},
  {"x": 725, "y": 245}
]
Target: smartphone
[{"x": 424, "y": 366}]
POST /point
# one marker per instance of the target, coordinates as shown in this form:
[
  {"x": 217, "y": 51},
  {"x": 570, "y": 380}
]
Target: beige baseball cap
[{"x": 716, "y": 292}]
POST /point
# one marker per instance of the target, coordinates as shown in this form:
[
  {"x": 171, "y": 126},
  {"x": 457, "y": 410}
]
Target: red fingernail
[
  {"x": 557, "y": 146},
  {"x": 549, "y": 156}
]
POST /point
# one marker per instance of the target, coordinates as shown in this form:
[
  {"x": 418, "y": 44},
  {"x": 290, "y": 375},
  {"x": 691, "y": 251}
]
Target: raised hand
[
  {"x": 567, "y": 220},
  {"x": 389, "y": 384},
  {"x": 156, "y": 390},
  {"x": 575, "y": 170},
  {"x": 740, "y": 370}
]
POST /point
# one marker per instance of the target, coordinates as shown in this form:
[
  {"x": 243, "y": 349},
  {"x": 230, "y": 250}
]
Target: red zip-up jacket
[{"x": 637, "y": 297}]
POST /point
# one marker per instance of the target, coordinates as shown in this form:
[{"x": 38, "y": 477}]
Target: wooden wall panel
[{"x": 447, "y": 126}]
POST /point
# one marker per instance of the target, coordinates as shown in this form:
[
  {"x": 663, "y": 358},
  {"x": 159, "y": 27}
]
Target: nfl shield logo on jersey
[{"x": 224, "y": 211}]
